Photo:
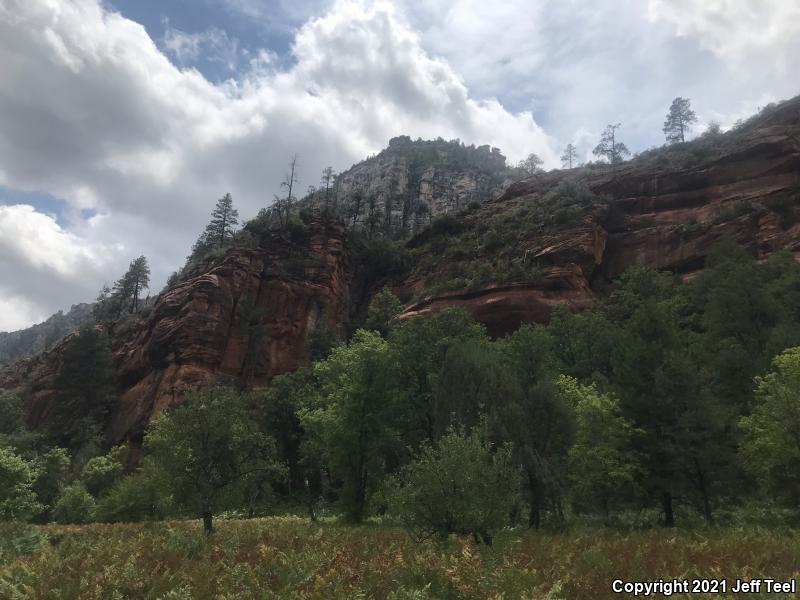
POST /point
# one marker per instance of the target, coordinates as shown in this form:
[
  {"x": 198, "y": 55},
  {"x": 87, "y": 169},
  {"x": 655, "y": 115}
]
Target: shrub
[
  {"x": 298, "y": 232},
  {"x": 462, "y": 485},
  {"x": 447, "y": 225},
  {"x": 76, "y": 505},
  {"x": 17, "y": 498},
  {"x": 321, "y": 341},
  {"x": 101, "y": 472},
  {"x": 140, "y": 496},
  {"x": 380, "y": 257},
  {"x": 19, "y": 539}
]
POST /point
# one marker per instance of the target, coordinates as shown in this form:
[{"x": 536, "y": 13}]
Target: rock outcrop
[
  {"x": 656, "y": 216},
  {"x": 247, "y": 318},
  {"x": 407, "y": 185}
]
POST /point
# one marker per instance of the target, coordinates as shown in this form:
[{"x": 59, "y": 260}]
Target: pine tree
[
  {"x": 86, "y": 388},
  {"x": 326, "y": 183},
  {"x": 569, "y": 157},
  {"x": 609, "y": 148},
  {"x": 224, "y": 218},
  {"x": 127, "y": 290},
  {"x": 139, "y": 274},
  {"x": 679, "y": 120}
]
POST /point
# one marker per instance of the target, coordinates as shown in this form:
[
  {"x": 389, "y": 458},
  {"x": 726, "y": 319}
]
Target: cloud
[
  {"x": 213, "y": 45},
  {"x": 41, "y": 262},
  {"x": 579, "y": 65},
  {"x": 736, "y": 30},
  {"x": 93, "y": 112}
]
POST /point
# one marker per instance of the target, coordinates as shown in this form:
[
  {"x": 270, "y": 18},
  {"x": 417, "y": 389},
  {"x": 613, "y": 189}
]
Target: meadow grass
[{"x": 289, "y": 558}]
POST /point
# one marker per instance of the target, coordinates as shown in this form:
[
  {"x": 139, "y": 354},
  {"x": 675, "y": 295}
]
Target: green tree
[
  {"x": 321, "y": 341},
  {"x": 609, "y": 147},
  {"x": 570, "y": 156},
  {"x": 680, "y": 119},
  {"x": 75, "y": 505},
  {"x": 86, "y": 389},
  {"x": 383, "y": 311},
  {"x": 538, "y": 420},
  {"x": 418, "y": 349},
  {"x": 52, "y": 474},
  {"x": 139, "y": 275},
  {"x": 144, "y": 494},
  {"x": 471, "y": 383},
  {"x": 224, "y": 219},
  {"x": 208, "y": 447},
  {"x": 127, "y": 290},
  {"x": 348, "y": 418},
  {"x": 100, "y": 473},
  {"x": 461, "y": 485},
  {"x": 326, "y": 184},
  {"x": 17, "y": 498},
  {"x": 771, "y": 444},
  {"x": 603, "y": 468},
  {"x": 531, "y": 164},
  {"x": 12, "y": 414},
  {"x": 655, "y": 376}
]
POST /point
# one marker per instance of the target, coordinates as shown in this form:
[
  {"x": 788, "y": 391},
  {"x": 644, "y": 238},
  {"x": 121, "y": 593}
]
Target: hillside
[
  {"x": 558, "y": 238},
  {"x": 37, "y": 338}
]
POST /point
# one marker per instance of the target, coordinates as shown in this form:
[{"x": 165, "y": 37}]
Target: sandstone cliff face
[
  {"x": 406, "y": 186},
  {"x": 247, "y": 317},
  {"x": 665, "y": 219}
]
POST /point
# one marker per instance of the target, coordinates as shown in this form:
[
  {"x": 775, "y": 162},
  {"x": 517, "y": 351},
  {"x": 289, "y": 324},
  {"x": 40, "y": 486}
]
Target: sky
[{"x": 123, "y": 121}]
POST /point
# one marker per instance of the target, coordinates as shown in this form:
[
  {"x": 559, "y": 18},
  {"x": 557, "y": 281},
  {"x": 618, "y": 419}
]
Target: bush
[
  {"x": 321, "y": 341},
  {"x": 447, "y": 225},
  {"x": 459, "y": 486},
  {"x": 380, "y": 257},
  {"x": 76, "y": 505},
  {"x": 19, "y": 539},
  {"x": 101, "y": 472},
  {"x": 298, "y": 232},
  {"x": 138, "y": 497},
  {"x": 17, "y": 498}
]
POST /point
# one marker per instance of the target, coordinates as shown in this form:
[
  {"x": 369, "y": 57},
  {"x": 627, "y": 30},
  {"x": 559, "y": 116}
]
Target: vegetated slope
[
  {"x": 32, "y": 340},
  {"x": 553, "y": 239},
  {"x": 558, "y": 237}
]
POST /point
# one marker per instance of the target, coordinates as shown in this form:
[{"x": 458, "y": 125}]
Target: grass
[{"x": 290, "y": 558}]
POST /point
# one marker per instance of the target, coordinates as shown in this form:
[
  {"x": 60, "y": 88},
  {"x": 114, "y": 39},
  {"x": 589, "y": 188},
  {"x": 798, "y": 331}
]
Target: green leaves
[
  {"x": 772, "y": 433},
  {"x": 460, "y": 485},
  {"x": 209, "y": 448},
  {"x": 17, "y": 499}
]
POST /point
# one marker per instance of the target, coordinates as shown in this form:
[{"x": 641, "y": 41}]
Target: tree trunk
[
  {"x": 669, "y": 516},
  {"x": 208, "y": 525},
  {"x": 534, "y": 517},
  {"x": 707, "y": 514}
]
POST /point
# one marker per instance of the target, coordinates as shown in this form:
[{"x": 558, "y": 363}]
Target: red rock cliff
[{"x": 656, "y": 215}]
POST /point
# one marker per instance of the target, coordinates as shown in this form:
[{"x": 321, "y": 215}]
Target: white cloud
[
  {"x": 580, "y": 64},
  {"x": 17, "y": 312},
  {"x": 735, "y": 29},
  {"x": 94, "y": 113},
  {"x": 43, "y": 267},
  {"x": 213, "y": 45}
]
